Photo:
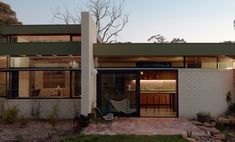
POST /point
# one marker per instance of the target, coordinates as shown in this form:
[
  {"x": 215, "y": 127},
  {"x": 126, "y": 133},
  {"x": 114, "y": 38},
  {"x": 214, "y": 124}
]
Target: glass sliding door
[
  {"x": 158, "y": 93},
  {"x": 117, "y": 93}
]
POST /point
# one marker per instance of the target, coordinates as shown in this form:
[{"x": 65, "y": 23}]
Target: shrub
[
  {"x": 10, "y": 115},
  {"x": 19, "y": 138},
  {"x": 23, "y": 120},
  {"x": 53, "y": 116}
]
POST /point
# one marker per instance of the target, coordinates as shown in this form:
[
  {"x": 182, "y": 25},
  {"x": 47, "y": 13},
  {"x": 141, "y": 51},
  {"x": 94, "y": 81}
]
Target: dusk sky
[{"x": 193, "y": 20}]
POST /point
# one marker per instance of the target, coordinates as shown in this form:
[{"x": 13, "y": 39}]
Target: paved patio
[{"x": 146, "y": 126}]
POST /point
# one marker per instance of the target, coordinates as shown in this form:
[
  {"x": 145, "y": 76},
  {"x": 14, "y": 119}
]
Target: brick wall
[{"x": 203, "y": 90}]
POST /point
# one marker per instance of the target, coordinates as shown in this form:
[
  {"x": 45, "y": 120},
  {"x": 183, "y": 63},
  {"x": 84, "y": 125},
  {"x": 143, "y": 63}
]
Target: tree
[
  {"x": 109, "y": 17},
  {"x": 158, "y": 39},
  {"x": 178, "y": 40},
  {"x": 7, "y": 15},
  {"x": 161, "y": 39}
]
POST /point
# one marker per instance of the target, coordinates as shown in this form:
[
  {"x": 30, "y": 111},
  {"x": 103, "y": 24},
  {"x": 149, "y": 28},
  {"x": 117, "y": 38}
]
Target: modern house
[{"x": 68, "y": 66}]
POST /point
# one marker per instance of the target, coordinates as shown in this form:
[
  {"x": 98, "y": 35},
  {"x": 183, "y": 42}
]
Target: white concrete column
[{"x": 88, "y": 74}]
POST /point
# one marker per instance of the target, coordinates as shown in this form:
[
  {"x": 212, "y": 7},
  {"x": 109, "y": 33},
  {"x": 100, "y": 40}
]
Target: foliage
[
  {"x": 108, "y": 15},
  {"x": 23, "y": 120},
  {"x": 161, "y": 39},
  {"x": 124, "y": 138},
  {"x": 203, "y": 113},
  {"x": 19, "y": 138},
  {"x": 7, "y": 15},
  {"x": 53, "y": 116},
  {"x": 220, "y": 125},
  {"x": 10, "y": 115},
  {"x": 229, "y": 100}
]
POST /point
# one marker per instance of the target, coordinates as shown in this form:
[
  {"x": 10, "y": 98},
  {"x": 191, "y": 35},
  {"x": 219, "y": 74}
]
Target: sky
[{"x": 193, "y": 20}]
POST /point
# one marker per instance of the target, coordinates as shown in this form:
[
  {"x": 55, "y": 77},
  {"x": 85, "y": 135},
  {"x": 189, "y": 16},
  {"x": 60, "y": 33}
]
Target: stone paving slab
[{"x": 145, "y": 126}]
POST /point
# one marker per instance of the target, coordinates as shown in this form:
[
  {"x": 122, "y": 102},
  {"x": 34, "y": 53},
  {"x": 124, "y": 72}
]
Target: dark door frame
[{"x": 137, "y": 72}]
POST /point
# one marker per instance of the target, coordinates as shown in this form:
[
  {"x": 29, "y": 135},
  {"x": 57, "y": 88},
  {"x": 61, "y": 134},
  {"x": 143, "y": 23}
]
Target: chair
[
  {"x": 97, "y": 116},
  {"x": 36, "y": 92},
  {"x": 123, "y": 106}
]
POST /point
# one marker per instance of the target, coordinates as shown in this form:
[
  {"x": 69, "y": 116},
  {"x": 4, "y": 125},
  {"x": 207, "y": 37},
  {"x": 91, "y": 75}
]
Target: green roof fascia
[
  {"x": 40, "y": 30},
  {"x": 42, "y": 48},
  {"x": 164, "y": 49}
]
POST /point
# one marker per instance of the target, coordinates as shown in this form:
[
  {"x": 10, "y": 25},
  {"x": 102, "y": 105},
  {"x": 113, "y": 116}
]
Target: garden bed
[{"x": 124, "y": 138}]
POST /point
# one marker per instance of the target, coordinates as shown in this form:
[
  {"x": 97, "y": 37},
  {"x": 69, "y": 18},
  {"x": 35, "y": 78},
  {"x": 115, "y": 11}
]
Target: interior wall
[{"x": 51, "y": 91}]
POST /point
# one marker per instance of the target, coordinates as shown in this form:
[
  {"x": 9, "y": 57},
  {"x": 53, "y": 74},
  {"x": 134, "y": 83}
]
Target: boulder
[
  {"x": 230, "y": 138},
  {"x": 203, "y": 128},
  {"x": 206, "y": 124},
  {"x": 219, "y": 136},
  {"x": 232, "y": 120},
  {"x": 213, "y": 131},
  {"x": 191, "y": 139},
  {"x": 197, "y": 123},
  {"x": 223, "y": 120}
]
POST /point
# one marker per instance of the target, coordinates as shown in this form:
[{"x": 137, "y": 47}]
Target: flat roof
[
  {"x": 41, "y": 48},
  {"x": 164, "y": 49},
  {"x": 40, "y": 29}
]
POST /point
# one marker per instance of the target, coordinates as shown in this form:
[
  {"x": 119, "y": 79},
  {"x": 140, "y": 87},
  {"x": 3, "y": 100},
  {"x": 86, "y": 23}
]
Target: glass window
[
  {"x": 201, "y": 62},
  {"x": 3, "y": 77},
  {"x": 48, "y": 38},
  {"x": 66, "y": 62},
  {"x": 225, "y": 63},
  {"x": 54, "y": 79},
  {"x": 151, "y": 62},
  {"x": 3, "y": 62},
  {"x": 42, "y": 84},
  {"x": 116, "y": 87}
]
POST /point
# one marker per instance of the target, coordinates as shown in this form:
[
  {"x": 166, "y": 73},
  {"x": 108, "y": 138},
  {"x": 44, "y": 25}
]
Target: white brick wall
[{"x": 203, "y": 90}]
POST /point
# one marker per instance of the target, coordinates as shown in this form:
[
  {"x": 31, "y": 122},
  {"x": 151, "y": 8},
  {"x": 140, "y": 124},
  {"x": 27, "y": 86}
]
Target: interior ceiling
[
  {"x": 136, "y": 59},
  {"x": 47, "y": 38}
]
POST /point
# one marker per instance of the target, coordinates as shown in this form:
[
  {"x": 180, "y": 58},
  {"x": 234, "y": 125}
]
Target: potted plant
[{"x": 203, "y": 117}]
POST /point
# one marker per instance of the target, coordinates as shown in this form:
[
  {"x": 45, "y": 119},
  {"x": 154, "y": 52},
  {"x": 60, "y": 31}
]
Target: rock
[
  {"x": 208, "y": 133},
  {"x": 232, "y": 120},
  {"x": 206, "y": 124},
  {"x": 213, "y": 131},
  {"x": 197, "y": 123},
  {"x": 203, "y": 128},
  {"x": 191, "y": 139},
  {"x": 223, "y": 120},
  {"x": 230, "y": 117},
  {"x": 219, "y": 136},
  {"x": 230, "y": 138}
]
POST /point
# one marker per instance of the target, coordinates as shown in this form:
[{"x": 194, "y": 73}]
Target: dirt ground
[{"x": 35, "y": 131}]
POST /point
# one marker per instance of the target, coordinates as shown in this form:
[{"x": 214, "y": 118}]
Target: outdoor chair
[
  {"x": 123, "y": 106},
  {"x": 36, "y": 92},
  {"x": 98, "y": 117}
]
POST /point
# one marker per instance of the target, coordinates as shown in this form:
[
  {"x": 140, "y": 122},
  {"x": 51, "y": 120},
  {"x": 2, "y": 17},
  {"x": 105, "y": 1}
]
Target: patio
[{"x": 146, "y": 126}]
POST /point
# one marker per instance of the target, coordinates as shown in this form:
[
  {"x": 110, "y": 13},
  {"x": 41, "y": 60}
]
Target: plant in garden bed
[
  {"x": 23, "y": 120},
  {"x": 10, "y": 115},
  {"x": 53, "y": 116}
]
